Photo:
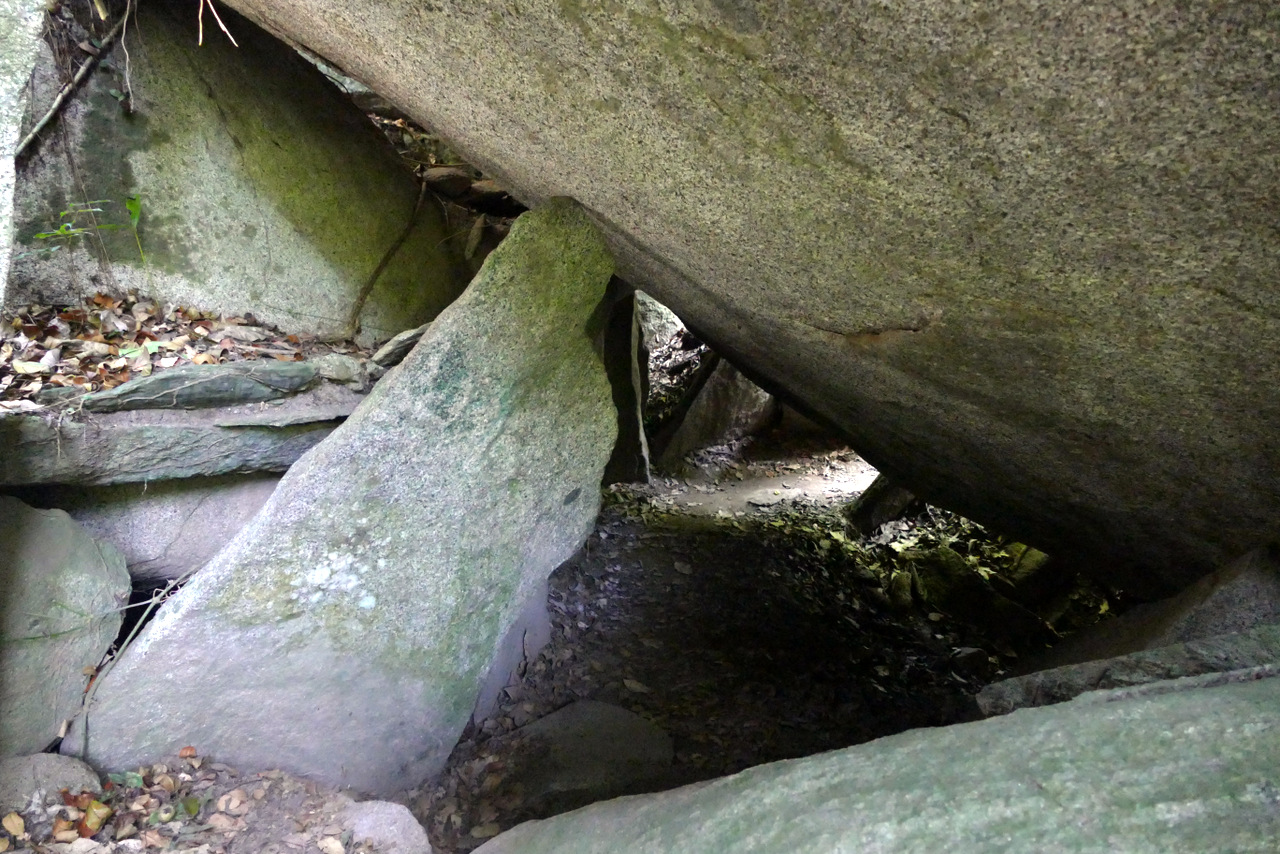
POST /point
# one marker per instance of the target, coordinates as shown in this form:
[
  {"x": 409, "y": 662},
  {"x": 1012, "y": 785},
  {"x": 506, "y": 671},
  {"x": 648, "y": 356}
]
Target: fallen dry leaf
[
  {"x": 187, "y": 752},
  {"x": 14, "y": 824},
  {"x": 484, "y": 831},
  {"x": 637, "y": 687},
  {"x": 224, "y": 823}
]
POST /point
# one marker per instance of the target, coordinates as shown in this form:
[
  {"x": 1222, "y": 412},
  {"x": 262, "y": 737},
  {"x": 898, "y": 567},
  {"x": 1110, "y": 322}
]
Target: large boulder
[
  {"x": 262, "y": 189},
  {"x": 63, "y": 594},
  {"x": 346, "y": 632},
  {"x": 1023, "y": 255},
  {"x": 1186, "y": 770},
  {"x": 20, "y": 22}
]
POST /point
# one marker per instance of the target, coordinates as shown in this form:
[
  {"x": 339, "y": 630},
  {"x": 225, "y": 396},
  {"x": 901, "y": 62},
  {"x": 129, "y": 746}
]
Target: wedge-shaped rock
[
  {"x": 345, "y": 633},
  {"x": 62, "y": 595},
  {"x": 1184, "y": 771},
  {"x": 200, "y": 386}
]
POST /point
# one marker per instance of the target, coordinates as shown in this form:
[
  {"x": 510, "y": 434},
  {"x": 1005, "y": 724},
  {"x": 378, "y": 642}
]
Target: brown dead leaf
[
  {"x": 224, "y": 823},
  {"x": 187, "y": 752},
  {"x": 153, "y": 839},
  {"x": 637, "y": 687},
  {"x": 232, "y": 800},
  {"x": 484, "y": 831},
  {"x": 4, "y": 844}
]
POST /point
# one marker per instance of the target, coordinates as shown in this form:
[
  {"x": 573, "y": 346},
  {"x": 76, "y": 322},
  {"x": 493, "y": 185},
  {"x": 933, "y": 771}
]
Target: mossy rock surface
[{"x": 345, "y": 633}]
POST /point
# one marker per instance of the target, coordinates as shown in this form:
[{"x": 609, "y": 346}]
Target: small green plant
[{"x": 73, "y": 225}]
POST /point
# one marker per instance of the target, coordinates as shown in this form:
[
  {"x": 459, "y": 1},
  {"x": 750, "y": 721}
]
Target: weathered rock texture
[
  {"x": 1183, "y": 771},
  {"x": 20, "y": 22},
  {"x": 63, "y": 592},
  {"x": 262, "y": 189},
  {"x": 345, "y": 633},
  {"x": 162, "y": 444},
  {"x": 1024, "y": 255},
  {"x": 164, "y": 529},
  {"x": 728, "y": 407},
  {"x": 20, "y": 776}
]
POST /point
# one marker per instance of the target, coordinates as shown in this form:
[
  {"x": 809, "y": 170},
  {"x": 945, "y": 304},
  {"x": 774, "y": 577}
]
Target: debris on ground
[
  {"x": 186, "y": 804},
  {"x": 106, "y": 341}
]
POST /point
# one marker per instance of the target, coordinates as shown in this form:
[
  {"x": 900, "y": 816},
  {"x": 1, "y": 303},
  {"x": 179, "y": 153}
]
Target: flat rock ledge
[
  {"x": 1223, "y": 653},
  {"x": 131, "y": 445}
]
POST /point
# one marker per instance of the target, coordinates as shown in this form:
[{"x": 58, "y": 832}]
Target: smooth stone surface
[
  {"x": 164, "y": 529},
  {"x": 156, "y": 444},
  {"x": 589, "y": 751},
  {"x": 20, "y": 23},
  {"x": 262, "y": 188},
  {"x": 391, "y": 827},
  {"x": 1238, "y": 597},
  {"x": 728, "y": 407},
  {"x": 63, "y": 591},
  {"x": 1258, "y": 647},
  {"x": 205, "y": 386},
  {"x": 22, "y": 776},
  {"x": 1024, "y": 256},
  {"x": 345, "y": 633},
  {"x": 1182, "y": 771}
]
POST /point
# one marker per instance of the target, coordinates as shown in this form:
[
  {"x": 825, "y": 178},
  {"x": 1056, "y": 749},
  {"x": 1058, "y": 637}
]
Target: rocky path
[{"x": 735, "y": 648}]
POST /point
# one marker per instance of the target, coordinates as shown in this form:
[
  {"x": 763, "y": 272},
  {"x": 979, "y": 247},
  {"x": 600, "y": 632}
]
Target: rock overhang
[{"x": 1020, "y": 258}]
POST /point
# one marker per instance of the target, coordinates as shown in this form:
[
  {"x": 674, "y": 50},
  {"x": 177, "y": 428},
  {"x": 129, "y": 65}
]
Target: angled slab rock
[
  {"x": 1191, "y": 770},
  {"x": 62, "y": 595},
  {"x": 345, "y": 633},
  {"x": 1043, "y": 298}
]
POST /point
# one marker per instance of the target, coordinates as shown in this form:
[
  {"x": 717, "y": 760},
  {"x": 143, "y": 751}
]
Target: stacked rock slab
[
  {"x": 1025, "y": 256},
  {"x": 345, "y": 633},
  {"x": 1182, "y": 771}
]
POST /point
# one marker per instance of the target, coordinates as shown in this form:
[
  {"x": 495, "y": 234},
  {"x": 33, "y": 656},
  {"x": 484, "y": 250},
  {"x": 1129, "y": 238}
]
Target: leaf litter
[
  {"x": 53, "y": 353},
  {"x": 187, "y": 804}
]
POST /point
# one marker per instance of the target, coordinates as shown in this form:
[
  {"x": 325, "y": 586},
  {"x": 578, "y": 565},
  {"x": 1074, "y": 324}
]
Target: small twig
[
  {"x": 151, "y": 605},
  {"x": 222, "y": 26},
  {"x": 68, "y": 88}
]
